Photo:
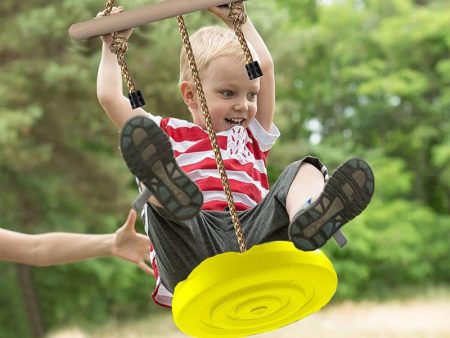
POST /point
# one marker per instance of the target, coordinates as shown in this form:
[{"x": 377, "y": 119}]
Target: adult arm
[{"x": 61, "y": 248}]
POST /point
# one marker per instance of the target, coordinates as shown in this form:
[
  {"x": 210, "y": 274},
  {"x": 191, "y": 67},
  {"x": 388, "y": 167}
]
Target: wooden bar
[{"x": 139, "y": 16}]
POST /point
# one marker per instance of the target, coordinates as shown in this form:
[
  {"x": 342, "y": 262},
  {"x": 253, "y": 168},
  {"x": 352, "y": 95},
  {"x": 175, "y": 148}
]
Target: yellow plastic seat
[{"x": 240, "y": 294}]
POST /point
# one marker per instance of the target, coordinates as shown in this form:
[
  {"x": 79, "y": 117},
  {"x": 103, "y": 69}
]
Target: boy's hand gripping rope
[{"x": 119, "y": 47}]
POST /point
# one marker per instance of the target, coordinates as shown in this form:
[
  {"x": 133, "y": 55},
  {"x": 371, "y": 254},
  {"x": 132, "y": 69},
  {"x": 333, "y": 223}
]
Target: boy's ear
[{"x": 188, "y": 92}]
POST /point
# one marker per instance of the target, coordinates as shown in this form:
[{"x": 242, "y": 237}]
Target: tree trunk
[{"x": 30, "y": 300}]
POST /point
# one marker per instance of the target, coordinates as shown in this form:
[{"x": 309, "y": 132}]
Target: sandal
[{"x": 148, "y": 154}]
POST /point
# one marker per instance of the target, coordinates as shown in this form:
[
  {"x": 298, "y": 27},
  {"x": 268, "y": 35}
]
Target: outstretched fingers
[
  {"x": 144, "y": 267},
  {"x": 131, "y": 220}
]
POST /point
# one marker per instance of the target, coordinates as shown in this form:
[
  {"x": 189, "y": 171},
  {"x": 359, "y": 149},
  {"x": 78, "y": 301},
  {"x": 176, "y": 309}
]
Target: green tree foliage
[
  {"x": 367, "y": 78},
  {"x": 370, "y": 78},
  {"x": 396, "y": 242},
  {"x": 60, "y": 169},
  {"x": 369, "y": 74}
]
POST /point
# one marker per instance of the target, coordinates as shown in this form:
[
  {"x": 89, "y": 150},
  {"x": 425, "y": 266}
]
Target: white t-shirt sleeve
[
  {"x": 156, "y": 119},
  {"x": 266, "y": 139}
]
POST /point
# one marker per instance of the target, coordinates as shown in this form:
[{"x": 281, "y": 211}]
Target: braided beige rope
[
  {"x": 120, "y": 47},
  {"x": 238, "y": 17},
  {"x": 211, "y": 134},
  {"x": 108, "y": 7}
]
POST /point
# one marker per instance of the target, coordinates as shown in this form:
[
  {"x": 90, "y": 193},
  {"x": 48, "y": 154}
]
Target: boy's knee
[{"x": 312, "y": 165}]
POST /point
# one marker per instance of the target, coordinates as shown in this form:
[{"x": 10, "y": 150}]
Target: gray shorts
[{"x": 181, "y": 245}]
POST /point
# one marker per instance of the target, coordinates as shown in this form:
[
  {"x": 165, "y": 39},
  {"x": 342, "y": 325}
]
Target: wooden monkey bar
[{"x": 139, "y": 16}]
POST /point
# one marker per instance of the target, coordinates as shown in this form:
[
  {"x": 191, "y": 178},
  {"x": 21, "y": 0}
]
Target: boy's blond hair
[{"x": 209, "y": 43}]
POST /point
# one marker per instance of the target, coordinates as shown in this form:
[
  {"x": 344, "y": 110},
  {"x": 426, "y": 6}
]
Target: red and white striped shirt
[{"x": 244, "y": 152}]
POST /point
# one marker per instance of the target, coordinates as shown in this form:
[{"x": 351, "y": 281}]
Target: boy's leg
[
  {"x": 148, "y": 154},
  {"x": 344, "y": 196},
  {"x": 269, "y": 220},
  {"x": 181, "y": 245},
  {"x": 307, "y": 186}
]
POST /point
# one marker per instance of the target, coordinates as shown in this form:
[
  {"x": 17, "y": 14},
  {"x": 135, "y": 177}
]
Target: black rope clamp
[
  {"x": 136, "y": 99},
  {"x": 253, "y": 70}
]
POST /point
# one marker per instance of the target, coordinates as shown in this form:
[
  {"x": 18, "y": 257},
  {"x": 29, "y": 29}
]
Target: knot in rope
[
  {"x": 119, "y": 45},
  {"x": 237, "y": 13}
]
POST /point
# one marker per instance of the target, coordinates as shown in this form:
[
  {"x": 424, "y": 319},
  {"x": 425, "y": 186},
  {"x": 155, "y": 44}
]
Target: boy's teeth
[{"x": 234, "y": 121}]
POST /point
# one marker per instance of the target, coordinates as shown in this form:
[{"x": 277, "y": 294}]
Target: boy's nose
[{"x": 242, "y": 105}]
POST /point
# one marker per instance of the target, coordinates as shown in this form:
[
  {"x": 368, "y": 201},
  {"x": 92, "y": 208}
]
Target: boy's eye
[
  {"x": 252, "y": 96},
  {"x": 227, "y": 93}
]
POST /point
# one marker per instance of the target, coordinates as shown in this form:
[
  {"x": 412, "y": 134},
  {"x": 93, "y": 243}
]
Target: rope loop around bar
[{"x": 120, "y": 46}]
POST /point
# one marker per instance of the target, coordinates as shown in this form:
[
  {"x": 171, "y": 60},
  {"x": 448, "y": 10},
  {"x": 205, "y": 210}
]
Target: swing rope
[
  {"x": 211, "y": 133},
  {"x": 119, "y": 47},
  {"x": 238, "y": 17}
]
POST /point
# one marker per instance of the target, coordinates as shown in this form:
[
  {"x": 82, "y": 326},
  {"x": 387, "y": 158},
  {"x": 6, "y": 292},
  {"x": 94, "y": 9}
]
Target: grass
[{"x": 408, "y": 314}]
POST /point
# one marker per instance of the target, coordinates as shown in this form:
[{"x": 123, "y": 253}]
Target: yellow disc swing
[{"x": 231, "y": 294}]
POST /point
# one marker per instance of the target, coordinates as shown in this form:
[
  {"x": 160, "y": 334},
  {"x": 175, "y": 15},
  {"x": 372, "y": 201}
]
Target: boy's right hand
[{"x": 107, "y": 39}]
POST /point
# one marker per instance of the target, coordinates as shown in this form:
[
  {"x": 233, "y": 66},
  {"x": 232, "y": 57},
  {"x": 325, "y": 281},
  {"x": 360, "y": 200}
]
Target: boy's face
[{"x": 231, "y": 96}]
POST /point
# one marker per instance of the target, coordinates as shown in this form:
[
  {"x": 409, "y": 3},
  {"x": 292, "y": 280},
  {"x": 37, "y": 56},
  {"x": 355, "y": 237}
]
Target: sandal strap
[
  {"x": 340, "y": 238},
  {"x": 140, "y": 201}
]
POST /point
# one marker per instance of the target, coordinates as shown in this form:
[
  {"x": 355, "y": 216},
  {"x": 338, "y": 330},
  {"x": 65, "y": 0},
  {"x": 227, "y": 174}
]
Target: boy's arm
[
  {"x": 266, "y": 95},
  {"x": 109, "y": 84}
]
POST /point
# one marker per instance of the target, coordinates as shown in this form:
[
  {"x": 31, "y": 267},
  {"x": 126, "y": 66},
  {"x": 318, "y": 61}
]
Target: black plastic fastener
[
  {"x": 253, "y": 70},
  {"x": 136, "y": 99}
]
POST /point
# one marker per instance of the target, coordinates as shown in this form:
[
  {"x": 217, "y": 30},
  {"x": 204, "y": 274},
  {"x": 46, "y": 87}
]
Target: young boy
[{"x": 168, "y": 155}]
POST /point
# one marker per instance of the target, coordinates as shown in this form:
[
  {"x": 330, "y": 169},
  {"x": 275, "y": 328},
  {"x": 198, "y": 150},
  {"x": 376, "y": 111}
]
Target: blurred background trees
[{"x": 366, "y": 78}]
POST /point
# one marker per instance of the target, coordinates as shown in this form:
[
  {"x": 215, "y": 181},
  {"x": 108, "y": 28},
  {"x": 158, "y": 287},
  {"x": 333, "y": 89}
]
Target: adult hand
[{"x": 132, "y": 246}]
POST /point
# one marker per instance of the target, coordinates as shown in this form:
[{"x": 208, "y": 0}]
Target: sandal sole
[{"x": 148, "y": 154}]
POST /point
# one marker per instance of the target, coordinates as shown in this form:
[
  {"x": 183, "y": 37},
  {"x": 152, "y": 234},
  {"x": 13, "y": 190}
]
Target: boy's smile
[
  {"x": 237, "y": 121},
  {"x": 231, "y": 96}
]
